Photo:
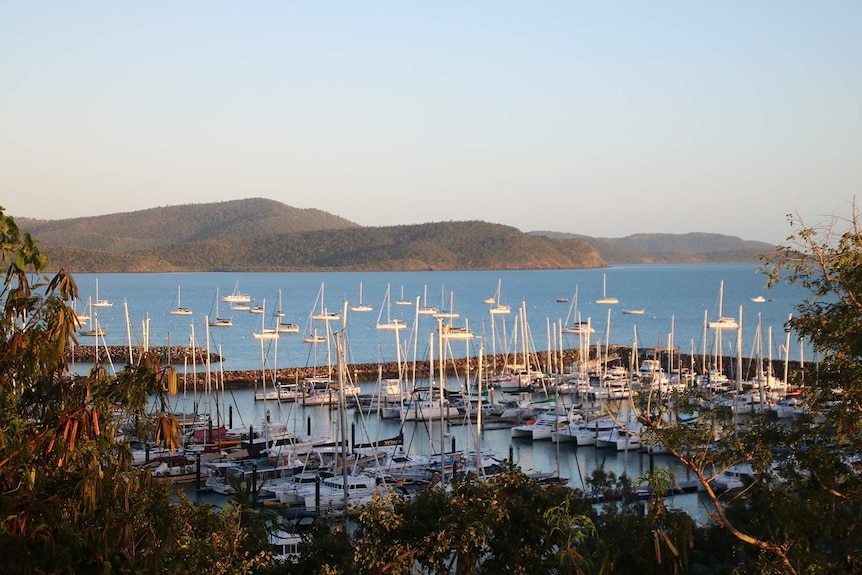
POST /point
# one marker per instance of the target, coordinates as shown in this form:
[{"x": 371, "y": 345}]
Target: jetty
[{"x": 365, "y": 372}]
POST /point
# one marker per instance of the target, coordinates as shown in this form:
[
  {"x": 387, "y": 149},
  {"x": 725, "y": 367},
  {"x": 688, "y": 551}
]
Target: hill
[
  {"x": 143, "y": 229},
  {"x": 264, "y": 235},
  {"x": 671, "y": 248}
]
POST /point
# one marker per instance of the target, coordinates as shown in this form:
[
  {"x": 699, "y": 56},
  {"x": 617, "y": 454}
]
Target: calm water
[{"x": 676, "y": 299}]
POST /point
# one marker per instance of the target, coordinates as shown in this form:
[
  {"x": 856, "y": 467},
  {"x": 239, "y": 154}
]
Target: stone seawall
[{"x": 361, "y": 372}]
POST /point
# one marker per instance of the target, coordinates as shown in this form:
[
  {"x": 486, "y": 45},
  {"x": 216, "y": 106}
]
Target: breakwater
[{"x": 363, "y": 372}]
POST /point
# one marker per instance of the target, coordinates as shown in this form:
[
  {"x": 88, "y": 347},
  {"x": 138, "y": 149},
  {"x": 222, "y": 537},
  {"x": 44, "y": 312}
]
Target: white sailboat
[
  {"x": 100, "y": 302},
  {"x": 389, "y": 323},
  {"x": 237, "y": 296},
  {"x": 218, "y": 321},
  {"x": 361, "y": 306},
  {"x": 265, "y": 332},
  {"x": 403, "y": 301},
  {"x": 324, "y": 314},
  {"x": 498, "y": 307},
  {"x": 319, "y": 313},
  {"x": 723, "y": 321},
  {"x": 450, "y": 313},
  {"x": 426, "y": 309},
  {"x": 180, "y": 310},
  {"x": 605, "y": 299},
  {"x": 576, "y": 326},
  {"x": 284, "y": 326},
  {"x": 95, "y": 330}
]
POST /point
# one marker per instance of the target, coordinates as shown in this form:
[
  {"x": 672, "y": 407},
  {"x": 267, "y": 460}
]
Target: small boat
[
  {"x": 605, "y": 299},
  {"x": 180, "y": 310},
  {"x": 758, "y": 299},
  {"x": 237, "y": 296},
  {"x": 288, "y": 328},
  {"x": 498, "y": 308},
  {"x": 219, "y": 321},
  {"x": 451, "y": 332},
  {"x": 390, "y": 323},
  {"x": 634, "y": 311},
  {"x": 403, "y": 301},
  {"x": 265, "y": 332},
  {"x": 95, "y": 332},
  {"x": 314, "y": 338},
  {"x": 361, "y": 306},
  {"x": 100, "y": 302},
  {"x": 562, "y": 300}
]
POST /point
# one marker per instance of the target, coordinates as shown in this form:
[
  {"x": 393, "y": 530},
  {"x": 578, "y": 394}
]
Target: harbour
[{"x": 677, "y": 301}]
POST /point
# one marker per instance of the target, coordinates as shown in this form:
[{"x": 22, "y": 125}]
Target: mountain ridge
[{"x": 258, "y": 234}]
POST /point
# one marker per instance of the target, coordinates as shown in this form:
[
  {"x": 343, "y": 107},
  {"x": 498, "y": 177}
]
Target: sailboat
[
  {"x": 180, "y": 310},
  {"x": 237, "y": 296},
  {"x": 577, "y": 326},
  {"x": 497, "y": 306},
  {"x": 95, "y": 329},
  {"x": 323, "y": 314},
  {"x": 220, "y": 321},
  {"x": 361, "y": 306},
  {"x": 81, "y": 316},
  {"x": 723, "y": 321},
  {"x": 100, "y": 302},
  {"x": 605, "y": 299},
  {"x": 426, "y": 309},
  {"x": 450, "y": 313},
  {"x": 265, "y": 332},
  {"x": 389, "y": 323},
  {"x": 283, "y": 326},
  {"x": 279, "y": 312},
  {"x": 403, "y": 301}
]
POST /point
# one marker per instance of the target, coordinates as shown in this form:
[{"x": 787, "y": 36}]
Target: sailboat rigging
[
  {"x": 265, "y": 332},
  {"x": 389, "y": 323},
  {"x": 180, "y": 310},
  {"x": 219, "y": 321},
  {"x": 100, "y": 302},
  {"x": 497, "y": 306},
  {"x": 403, "y": 301},
  {"x": 605, "y": 299},
  {"x": 361, "y": 306}
]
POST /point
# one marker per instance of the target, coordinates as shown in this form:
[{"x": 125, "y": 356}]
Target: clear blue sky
[{"x": 598, "y": 118}]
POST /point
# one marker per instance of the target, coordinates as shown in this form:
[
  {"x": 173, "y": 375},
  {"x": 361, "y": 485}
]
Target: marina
[{"x": 530, "y": 351}]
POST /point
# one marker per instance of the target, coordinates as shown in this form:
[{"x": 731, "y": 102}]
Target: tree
[
  {"x": 70, "y": 500},
  {"x": 507, "y": 523},
  {"x": 800, "y": 510}
]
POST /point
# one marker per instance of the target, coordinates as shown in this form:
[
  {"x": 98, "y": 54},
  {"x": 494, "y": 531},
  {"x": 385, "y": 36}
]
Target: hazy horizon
[{"x": 597, "y": 119}]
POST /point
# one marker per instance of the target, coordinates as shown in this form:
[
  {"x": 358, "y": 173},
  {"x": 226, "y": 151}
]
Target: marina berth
[
  {"x": 585, "y": 432},
  {"x": 550, "y": 417},
  {"x": 532, "y": 360}
]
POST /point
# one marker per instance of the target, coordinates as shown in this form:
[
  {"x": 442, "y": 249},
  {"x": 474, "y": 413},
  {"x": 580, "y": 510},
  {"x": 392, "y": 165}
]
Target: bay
[{"x": 675, "y": 298}]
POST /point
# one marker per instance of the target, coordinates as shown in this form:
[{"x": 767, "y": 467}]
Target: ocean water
[{"x": 676, "y": 300}]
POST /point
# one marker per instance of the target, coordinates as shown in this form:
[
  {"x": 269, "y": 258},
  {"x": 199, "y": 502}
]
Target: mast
[{"x": 342, "y": 416}]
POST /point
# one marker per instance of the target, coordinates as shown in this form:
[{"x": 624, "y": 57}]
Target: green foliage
[
  {"x": 69, "y": 499},
  {"x": 504, "y": 524},
  {"x": 800, "y": 510}
]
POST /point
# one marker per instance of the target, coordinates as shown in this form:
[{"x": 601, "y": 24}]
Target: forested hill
[
  {"x": 162, "y": 226},
  {"x": 671, "y": 248},
  {"x": 264, "y": 235}
]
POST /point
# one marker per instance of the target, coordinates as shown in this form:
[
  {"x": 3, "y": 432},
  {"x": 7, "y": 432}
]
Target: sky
[{"x": 598, "y": 118}]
